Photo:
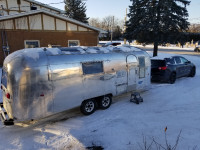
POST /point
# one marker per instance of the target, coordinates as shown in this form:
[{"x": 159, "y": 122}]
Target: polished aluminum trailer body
[{"x": 44, "y": 81}]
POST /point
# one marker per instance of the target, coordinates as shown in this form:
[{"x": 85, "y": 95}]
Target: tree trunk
[
  {"x": 156, "y": 29},
  {"x": 155, "y": 49}
]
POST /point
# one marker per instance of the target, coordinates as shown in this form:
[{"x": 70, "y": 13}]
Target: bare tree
[
  {"x": 96, "y": 22},
  {"x": 194, "y": 28},
  {"x": 109, "y": 24}
]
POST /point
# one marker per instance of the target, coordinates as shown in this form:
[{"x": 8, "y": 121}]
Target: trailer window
[
  {"x": 141, "y": 67},
  {"x": 92, "y": 67},
  {"x": 131, "y": 59},
  {"x": 4, "y": 78}
]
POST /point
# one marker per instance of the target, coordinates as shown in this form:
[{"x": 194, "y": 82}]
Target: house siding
[{"x": 16, "y": 39}]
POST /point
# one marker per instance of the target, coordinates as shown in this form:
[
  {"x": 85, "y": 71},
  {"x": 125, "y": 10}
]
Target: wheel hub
[
  {"x": 106, "y": 101},
  {"x": 89, "y": 107}
]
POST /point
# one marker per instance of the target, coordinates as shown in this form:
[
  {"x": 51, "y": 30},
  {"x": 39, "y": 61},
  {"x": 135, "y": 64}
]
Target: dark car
[
  {"x": 169, "y": 69},
  {"x": 112, "y": 44},
  {"x": 197, "y": 48}
]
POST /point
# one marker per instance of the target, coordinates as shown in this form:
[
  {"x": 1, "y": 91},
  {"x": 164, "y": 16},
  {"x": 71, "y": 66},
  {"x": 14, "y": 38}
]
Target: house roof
[
  {"x": 60, "y": 16},
  {"x": 45, "y": 5}
]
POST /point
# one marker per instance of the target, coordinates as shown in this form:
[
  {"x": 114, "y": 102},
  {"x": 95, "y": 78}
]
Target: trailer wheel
[
  {"x": 88, "y": 106},
  {"x": 105, "y": 102},
  {"x": 9, "y": 122}
]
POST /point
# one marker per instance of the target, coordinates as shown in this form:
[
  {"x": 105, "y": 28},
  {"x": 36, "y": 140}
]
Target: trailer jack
[{"x": 3, "y": 116}]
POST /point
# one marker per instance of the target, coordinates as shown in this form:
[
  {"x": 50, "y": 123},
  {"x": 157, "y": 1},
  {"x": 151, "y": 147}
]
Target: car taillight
[
  {"x": 162, "y": 68},
  {"x": 8, "y": 96}
]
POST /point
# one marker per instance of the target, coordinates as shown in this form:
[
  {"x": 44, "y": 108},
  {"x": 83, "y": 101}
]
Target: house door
[{"x": 132, "y": 69}]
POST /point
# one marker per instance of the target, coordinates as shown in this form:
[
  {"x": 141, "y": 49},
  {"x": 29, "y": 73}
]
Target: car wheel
[
  {"x": 193, "y": 72},
  {"x": 105, "y": 102},
  {"x": 88, "y": 106},
  {"x": 172, "y": 78}
]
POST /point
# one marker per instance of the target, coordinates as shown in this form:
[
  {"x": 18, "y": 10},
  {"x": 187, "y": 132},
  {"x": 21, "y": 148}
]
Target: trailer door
[{"x": 132, "y": 69}]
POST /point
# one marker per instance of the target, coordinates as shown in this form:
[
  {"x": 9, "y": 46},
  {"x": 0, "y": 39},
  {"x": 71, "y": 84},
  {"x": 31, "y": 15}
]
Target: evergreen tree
[
  {"x": 76, "y": 9},
  {"x": 156, "y": 20}
]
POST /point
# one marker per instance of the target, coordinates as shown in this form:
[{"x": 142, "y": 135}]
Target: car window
[
  {"x": 183, "y": 60},
  {"x": 170, "y": 61},
  {"x": 178, "y": 60}
]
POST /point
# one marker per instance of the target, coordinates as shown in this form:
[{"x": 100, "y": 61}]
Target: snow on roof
[
  {"x": 45, "y": 5},
  {"x": 92, "y": 50},
  {"x": 32, "y": 54},
  {"x": 89, "y": 50},
  {"x": 54, "y": 51},
  {"x": 60, "y": 16}
]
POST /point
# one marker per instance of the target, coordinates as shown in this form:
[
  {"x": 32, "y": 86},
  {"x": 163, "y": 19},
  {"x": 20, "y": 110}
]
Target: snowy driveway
[{"x": 124, "y": 124}]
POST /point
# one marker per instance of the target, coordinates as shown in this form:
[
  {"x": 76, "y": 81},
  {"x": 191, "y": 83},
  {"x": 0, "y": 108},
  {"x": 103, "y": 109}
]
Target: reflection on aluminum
[{"x": 42, "y": 82}]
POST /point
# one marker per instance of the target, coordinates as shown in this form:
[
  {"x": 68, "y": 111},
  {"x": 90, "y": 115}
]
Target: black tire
[
  {"x": 9, "y": 122},
  {"x": 172, "y": 78},
  {"x": 105, "y": 102},
  {"x": 193, "y": 72},
  {"x": 137, "y": 101},
  {"x": 88, "y": 106}
]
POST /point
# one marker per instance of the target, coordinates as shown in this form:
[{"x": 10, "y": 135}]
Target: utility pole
[
  {"x": 112, "y": 24},
  {"x": 125, "y": 25}
]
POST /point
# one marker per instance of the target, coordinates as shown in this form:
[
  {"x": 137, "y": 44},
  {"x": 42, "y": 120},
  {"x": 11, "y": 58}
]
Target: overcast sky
[{"x": 117, "y": 8}]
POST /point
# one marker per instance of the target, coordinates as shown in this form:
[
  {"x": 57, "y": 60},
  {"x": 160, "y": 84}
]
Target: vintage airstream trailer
[{"x": 42, "y": 81}]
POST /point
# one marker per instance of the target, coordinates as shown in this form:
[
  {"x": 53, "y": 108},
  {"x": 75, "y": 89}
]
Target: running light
[{"x": 8, "y": 96}]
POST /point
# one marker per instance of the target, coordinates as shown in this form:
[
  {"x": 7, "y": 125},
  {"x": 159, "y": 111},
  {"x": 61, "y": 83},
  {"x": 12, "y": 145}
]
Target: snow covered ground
[
  {"x": 169, "y": 47},
  {"x": 124, "y": 125}
]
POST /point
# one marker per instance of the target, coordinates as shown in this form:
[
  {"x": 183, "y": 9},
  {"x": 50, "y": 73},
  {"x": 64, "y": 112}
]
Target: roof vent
[{"x": 33, "y": 7}]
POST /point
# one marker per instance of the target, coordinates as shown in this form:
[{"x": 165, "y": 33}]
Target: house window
[
  {"x": 32, "y": 43},
  {"x": 178, "y": 60},
  {"x": 73, "y": 43},
  {"x": 92, "y": 67}
]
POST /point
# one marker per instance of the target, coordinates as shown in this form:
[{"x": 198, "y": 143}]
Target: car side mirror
[{"x": 188, "y": 62}]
